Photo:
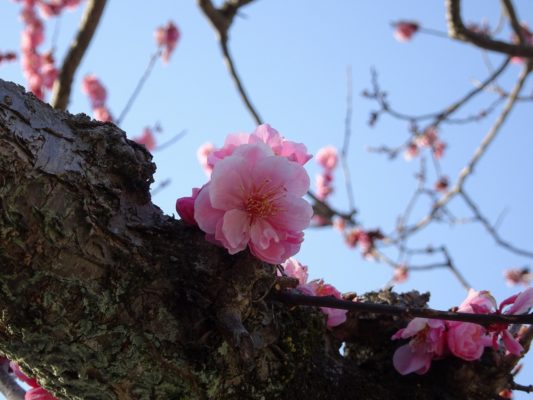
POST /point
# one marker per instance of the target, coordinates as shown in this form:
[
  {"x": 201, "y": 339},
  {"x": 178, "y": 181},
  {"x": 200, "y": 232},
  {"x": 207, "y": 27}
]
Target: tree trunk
[{"x": 102, "y": 296}]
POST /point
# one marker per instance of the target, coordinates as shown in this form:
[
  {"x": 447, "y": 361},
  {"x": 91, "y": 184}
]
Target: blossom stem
[{"x": 292, "y": 298}]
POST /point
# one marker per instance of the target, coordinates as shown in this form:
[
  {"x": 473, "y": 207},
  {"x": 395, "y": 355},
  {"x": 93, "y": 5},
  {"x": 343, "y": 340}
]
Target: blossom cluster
[
  {"x": 427, "y": 139},
  {"x": 365, "y": 239},
  {"x": 254, "y": 196},
  {"x": 327, "y": 158},
  {"x": 434, "y": 339},
  {"x": 295, "y": 269},
  {"x": 97, "y": 94}
]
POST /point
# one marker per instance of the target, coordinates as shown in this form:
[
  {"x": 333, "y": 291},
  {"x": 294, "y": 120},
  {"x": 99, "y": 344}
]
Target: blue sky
[{"x": 292, "y": 57}]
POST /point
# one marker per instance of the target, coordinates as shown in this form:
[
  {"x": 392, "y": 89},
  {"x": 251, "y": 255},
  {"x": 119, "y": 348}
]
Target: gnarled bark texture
[{"x": 102, "y": 296}]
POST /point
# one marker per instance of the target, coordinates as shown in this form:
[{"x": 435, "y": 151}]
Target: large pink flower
[
  {"x": 428, "y": 339},
  {"x": 254, "y": 199}
]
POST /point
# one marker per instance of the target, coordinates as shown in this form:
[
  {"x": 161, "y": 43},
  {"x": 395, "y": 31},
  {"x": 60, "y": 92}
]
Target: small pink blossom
[
  {"x": 442, "y": 184},
  {"x": 94, "y": 89},
  {"x": 466, "y": 340},
  {"x": 438, "y": 149},
  {"x": 254, "y": 199},
  {"x": 102, "y": 114},
  {"x": 167, "y": 37},
  {"x": 401, "y": 273},
  {"x": 147, "y": 139},
  {"x": 327, "y": 157},
  {"x": 428, "y": 342},
  {"x": 203, "y": 153},
  {"x": 404, "y": 30},
  {"x": 515, "y": 276},
  {"x": 481, "y": 302},
  {"x": 323, "y": 185},
  {"x": 185, "y": 207},
  {"x": 428, "y": 138},
  {"x": 335, "y": 316},
  {"x": 411, "y": 152},
  {"x": 295, "y": 269}
]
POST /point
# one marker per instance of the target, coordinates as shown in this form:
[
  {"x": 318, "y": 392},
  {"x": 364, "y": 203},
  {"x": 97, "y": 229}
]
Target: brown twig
[
  {"x": 346, "y": 141},
  {"x": 89, "y": 23},
  {"x": 457, "y": 30},
  {"x": 296, "y": 299},
  {"x": 221, "y": 20},
  {"x": 507, "y": 5},
  {"x": 479, "y": 152},
  {"x": 522, "y": 388},
  {"x": 491, "y": 229},
  {"x": 139, "y": 86}
]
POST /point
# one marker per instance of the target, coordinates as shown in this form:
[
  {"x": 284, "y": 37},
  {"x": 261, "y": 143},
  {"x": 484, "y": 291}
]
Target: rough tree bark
[{"x": 103, "y": 296}]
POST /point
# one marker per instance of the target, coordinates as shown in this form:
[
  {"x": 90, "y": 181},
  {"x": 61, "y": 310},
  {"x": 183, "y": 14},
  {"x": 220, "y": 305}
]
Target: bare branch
[
  {"x": 457, "y": 30},
  {"x": 139, "y": 86},
  {"x": 221, "y": 20},
  {"x": 293, "y": 298},
  {"x": 507, "y": 5},
  {"x": 346, "y": 142},
  {"x": 491, "y": 229},
  {"x": 89, "y": 22},
  {"x": 480, "y": 151}
]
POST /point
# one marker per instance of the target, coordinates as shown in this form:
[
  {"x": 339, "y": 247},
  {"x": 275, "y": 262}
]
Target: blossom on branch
[
  {"x": 404, "y": 30},
  {"x": 254, "y": 199},
  {"x": 166, "y": 38}
]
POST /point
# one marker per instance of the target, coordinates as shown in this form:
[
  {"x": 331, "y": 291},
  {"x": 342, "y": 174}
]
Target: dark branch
[{"x": 78, "y": 47}]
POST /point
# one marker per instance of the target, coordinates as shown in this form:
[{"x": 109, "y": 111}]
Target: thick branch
[
  {"x": 105, "y": 297},
  {"x": 89, "y": 23}
]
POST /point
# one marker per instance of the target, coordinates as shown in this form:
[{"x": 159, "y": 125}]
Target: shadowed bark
[{"x": 102, "y": 296}]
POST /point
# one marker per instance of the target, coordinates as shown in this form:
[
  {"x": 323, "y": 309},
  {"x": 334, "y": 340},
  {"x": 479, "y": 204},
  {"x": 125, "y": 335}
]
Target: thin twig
[
  {"x": 491, "y": 229},
  {"x": 479, "y": 152},
  {"x": 346, "y": 142},
  {"x": 522, "y": 388},
  {"x": 293, "y": 298},
  {"x": 139, "y": 86},
  {"x": 509, "y": 10},
  {"x": 221, "y": 20},
  {"x": 171, "y": 141},
  {"x": 89, "y": 23}
]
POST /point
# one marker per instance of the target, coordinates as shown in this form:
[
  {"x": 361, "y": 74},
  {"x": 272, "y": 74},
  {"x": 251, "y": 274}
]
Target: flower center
[{"x": 258, "y": 205}]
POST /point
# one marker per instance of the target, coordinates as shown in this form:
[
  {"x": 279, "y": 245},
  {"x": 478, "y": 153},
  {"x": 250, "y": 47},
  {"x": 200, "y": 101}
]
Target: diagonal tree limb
[{"x": 89, "y": 22}]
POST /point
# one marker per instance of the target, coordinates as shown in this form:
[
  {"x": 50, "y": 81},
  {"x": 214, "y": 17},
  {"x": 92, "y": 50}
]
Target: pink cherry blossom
[
  {"x": 94, "y": 89},
  {"x": 203, "y": 153},
  {"x": 428, "y": 342},
  {"x": 442, "y": 184},
  {"x": 102, "y": 114},
  {"x": 335, "y": 316},
  {"x": 481, "y": 302},
  {"x": 411, "y": 151},
  {"x": 147, "y": 139},
  {"x": 185, "y": 207},
  {"x": 401, "y": 273},
  {"x": 254, "y": 200},
  {"x": 515, "y": 276},
  {"x": 295, "y": 269},
  {"x": 438, "y": 149},
  {"x": 404, "y": 30},
  {"x": 327, "y": 157},
  {"x": 323, "y": 185},
  {"x": 167, "y": 37},
  {"x": 466, "y": 340},
  {"x": 295, "y": 152}
]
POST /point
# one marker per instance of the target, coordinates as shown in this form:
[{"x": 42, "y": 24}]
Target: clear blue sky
[{"x": 292, "y": 56}]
